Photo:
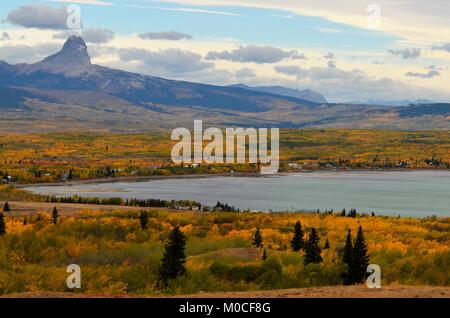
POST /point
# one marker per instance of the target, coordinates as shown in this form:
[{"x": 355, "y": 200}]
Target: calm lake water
[{"x": 409, "y": 193}]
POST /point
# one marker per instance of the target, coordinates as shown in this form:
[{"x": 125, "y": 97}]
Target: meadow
[
  {"x": 35, "y": 158},
  {"x": 118, "y": 257}
]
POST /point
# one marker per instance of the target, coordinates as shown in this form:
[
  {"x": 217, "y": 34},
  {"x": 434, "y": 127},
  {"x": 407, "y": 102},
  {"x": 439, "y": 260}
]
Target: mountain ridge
[
  {"x": 305, "y": 94},
  {"x": 67, "y": 91},
  {"x": 70, "y": 69}
]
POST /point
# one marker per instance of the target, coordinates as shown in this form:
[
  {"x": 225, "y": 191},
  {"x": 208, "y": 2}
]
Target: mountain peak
[
  {"x": 73, "y": 58},
  {"x": 75, "y": 43},
  {"x": 73, "y": 52}
]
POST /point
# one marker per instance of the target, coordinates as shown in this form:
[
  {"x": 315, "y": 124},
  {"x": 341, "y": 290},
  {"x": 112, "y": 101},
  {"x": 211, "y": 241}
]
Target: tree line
[{"x": 144, "y": 203}]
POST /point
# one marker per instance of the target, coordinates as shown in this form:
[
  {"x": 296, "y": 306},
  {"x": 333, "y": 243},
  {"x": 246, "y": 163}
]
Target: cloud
[
  {"x": 282, "y": 16},
  {"x": 430, "y": 74},
  {"x": 245, "y": 73},
  {"x": 331, "y": 64},
  {"x": 414, "y": 20},
  {"x": 5, "y": 36},
  {"x": 433, "y": 67},
  {"x": 299, "y": 56},
  {"x": 165, "y": 35},
  {"x": 328, "y": 30},
  {"x": 193, "y": 10},
  {"x": 64, "y": 34},
  {"x": 253, "y": 53},
  {"x": 443, "y": 47},
  {"x": 93, "y": 2},
  {"x": 27, "y": 54},
  {"x": 329, "y": 56},
  {"x": 349, "y": 85},
  {"x": 168, "y": 61},
  {"x": 408, "y": 53},
  {"x": 91, "y": 35},
  {"x": 187, "y": 10},
  {"x": 97, "y": 35},
  {"x": 39, "y": 16},
  {"x": 290, "y": 70}
]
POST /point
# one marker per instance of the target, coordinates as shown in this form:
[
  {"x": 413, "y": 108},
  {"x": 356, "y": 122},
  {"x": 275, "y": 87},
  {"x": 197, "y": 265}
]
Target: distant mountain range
[
  {"x": 284, "y": 91},
  {"x": 404, "y": 102},
  {"x": 66, "y": 91}
]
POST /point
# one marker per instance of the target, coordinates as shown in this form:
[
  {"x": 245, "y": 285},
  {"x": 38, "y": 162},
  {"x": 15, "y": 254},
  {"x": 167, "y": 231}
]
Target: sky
[{"x": 348, "y": 50}]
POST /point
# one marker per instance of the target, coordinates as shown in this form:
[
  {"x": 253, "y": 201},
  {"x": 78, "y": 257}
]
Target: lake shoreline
[
  {"x": 204, "y": 176},
  {"x": 406, "y": 192}
]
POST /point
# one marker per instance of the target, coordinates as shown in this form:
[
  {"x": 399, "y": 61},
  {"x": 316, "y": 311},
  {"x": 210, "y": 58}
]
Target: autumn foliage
[
  {"x": 77, "y": 156},
  {"x": 118, "y": 255}
]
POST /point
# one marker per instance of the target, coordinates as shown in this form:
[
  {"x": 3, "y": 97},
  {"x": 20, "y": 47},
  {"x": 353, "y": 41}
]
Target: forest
[{"x": 123, "y": 251}]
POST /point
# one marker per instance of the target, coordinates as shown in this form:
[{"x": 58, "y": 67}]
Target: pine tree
[
  {"x": 348, "y": 249},
  {"x": 327, "y": 245},
  {"x": 6, "y": 207},
  {"x": 143, "y": 218},
  {"x": 347, "y": 258},
  {"x": 297, "y": 242},
  {"x": 55, "y": 216},
  {"x": 258, "y": 239},
  {"x": 312, "y": 249},
  {"x": 360, "y": 257},
  {"x": 174, "y": 259},
  {"x": 264, "y": 256},
  {"x": 2, "y": 224}
]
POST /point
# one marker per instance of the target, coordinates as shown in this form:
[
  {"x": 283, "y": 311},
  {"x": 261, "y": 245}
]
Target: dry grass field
[{"x": 319, "y": 292}]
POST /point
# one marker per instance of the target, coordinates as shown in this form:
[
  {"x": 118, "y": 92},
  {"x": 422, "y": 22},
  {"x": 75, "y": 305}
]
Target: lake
[{"x": 406, "y": 193}]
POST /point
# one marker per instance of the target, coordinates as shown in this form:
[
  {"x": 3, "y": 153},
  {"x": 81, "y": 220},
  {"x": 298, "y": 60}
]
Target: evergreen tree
[
  {"x": 6, "y": 207},
  {"x": 347, "y": 258},
  {"x": 327, "y": 245},
  {"x": 2, "y": 224},
  {"x": 143, "y": 218},
  {"x": 258, "y": 239},
  {"x": 312, "y": 249},
  {"x": 348, "y": 249},
  {"x": 264, "y": 256},
  {"x": 297, "y": 242},
  {"x": 360, "y": 257},
  {"x": 55, "y": 216},
  {"x": 174, "y": 259}
]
